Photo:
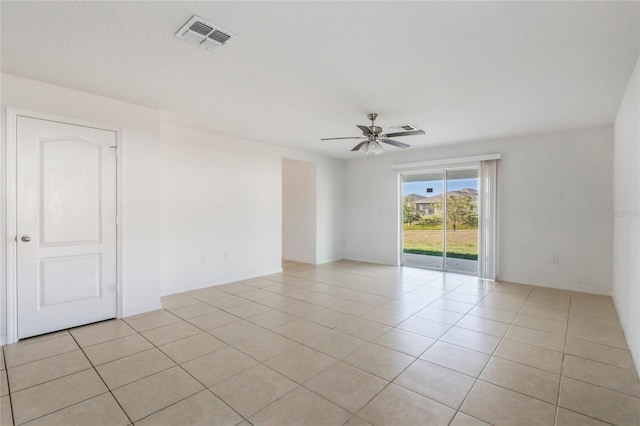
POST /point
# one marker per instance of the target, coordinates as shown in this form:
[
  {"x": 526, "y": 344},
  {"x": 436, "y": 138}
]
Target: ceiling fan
[{"x": 373, "y": 135}]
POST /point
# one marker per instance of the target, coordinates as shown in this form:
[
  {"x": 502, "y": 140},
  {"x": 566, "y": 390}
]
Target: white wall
[
  {"x": 187, "y": 197},
  {"x": 299, "y": 211},
  {"x": 223, "y": 194},
  {"x": 626, "y": 219},
  {"x": 330, "y": 215},
  {"x": 553, "y": 191},
  {"x": 140, "y": 165},
  {"x": 330, "y": 203},
  {"x": 220, "y": 195}
]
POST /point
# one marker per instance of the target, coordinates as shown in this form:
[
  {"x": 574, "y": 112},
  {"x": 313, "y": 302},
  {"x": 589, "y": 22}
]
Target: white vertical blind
[{"x": 488, "y": 219}]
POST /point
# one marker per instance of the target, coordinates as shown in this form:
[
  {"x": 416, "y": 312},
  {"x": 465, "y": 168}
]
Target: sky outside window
[{"x": 420, "y": 188}]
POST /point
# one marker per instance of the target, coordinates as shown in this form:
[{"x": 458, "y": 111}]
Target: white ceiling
[{"x": 301, "y": 71}]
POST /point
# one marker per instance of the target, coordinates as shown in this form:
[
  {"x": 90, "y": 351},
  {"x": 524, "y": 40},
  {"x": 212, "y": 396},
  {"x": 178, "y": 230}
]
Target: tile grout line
[
  {"x": 105, "y": 384},
  {"x": 334, "y": 285},
  {"x": 51, "y": 380},
  {"x": 320, "y": 372},
  {"x": 193, "y": 377},
  {"x": 587, "y": 416},
  {"x": 39, "y": 338},
  {"x": 68, "y": 406},
  {"x": 480, "y": 373},
  {"x": 40, "y": 359},
  {"x": 6, "y": 368},
  {"x": 302, "y": 385},
  {"x": 176, "y": 364},
  {"x": 552, "y": 350},
  {"x": 562, "y": 376},
  {"x": 504, "y": 337},
  {"x": 602, "y": 387},
  {"x": 407, "y": 367},
  {"x": 529, "y": 366},
  {"x": 423, "y": 352},
  {"x": 91, "y": 367},
  {"x": 47, "y": 381},
  {"x": 304, "y": 288},
  {"x": 564, "y": 350},
  {"x": 298, "y": 385},
  {"x": 477, "y": 379}
]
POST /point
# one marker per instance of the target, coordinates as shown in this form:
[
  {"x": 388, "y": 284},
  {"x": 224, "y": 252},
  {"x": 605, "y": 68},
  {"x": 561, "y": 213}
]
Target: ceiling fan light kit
[
  {"x": 372, "y": 148},
  {"x": 373, "y": 135}
]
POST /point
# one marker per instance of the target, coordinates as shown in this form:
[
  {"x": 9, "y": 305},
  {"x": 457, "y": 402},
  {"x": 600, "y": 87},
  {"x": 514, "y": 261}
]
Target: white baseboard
[
  {"x": 634, "y": 348},
  {"x": 635, "y": 354},
  {"x": 197, "y": 286},
  {"x": 299, "y": 260},
  {"x": 577, "y": 289},
  {"x": 135, "y": 310},
  {"x": 322, "y": 262},
  {"x": 370, "y": 260}
]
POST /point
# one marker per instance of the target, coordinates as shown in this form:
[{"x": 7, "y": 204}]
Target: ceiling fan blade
[
  {"x": 348, "y": 137},
  {"x": 411, "y": 133},
  {"x": 365, "y": 129},
  {"x": 357, "y": 147},
  {"x": 395, "y": 143}
]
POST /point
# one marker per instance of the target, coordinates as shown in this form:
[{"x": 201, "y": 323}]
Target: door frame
[
  {"x": 444, "y": 170},
  {"x": 11, "y": 234}
]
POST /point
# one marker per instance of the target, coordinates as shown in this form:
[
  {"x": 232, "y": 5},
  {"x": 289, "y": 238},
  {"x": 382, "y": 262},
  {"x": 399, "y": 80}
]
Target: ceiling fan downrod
[{"x": 376, "y": 130}]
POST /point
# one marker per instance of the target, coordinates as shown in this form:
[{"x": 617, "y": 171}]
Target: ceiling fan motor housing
[{"x": 373, "y": 135}]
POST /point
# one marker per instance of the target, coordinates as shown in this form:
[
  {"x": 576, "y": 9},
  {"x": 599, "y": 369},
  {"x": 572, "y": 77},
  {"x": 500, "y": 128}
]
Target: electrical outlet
[
  {"x": 226, "y": 255},
  {"x": 555, "y": 259},
  {"x": 203, "y": 258}
]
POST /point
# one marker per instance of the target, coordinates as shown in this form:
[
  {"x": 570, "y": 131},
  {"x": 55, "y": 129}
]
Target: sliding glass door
[
  {"x": 440, "y": 220},
  {"x": 462, "y": 221},
  {"x": 423, "y": 217}
]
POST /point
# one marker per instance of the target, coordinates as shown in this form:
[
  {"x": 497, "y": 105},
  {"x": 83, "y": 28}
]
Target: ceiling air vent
[
  {"x": 203, "y": 33},
  {"x": 405, "y": 127}
]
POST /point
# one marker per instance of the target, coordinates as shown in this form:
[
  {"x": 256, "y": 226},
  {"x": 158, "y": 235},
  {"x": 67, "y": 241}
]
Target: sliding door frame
[{"x": 444, "y": 171}]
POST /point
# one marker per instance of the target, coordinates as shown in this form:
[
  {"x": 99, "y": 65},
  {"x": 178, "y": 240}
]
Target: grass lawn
[{"x": 462, "y": 243}]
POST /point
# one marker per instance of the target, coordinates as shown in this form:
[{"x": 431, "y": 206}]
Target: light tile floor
[{"x": 342, "y": 343}]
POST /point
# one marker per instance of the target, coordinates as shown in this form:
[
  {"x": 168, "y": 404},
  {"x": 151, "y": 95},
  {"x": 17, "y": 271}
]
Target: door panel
[
  {"x": 462, "y": 221},
  {"x": 423, "y": 236},
  {"x": 64, "y": 183},
  {"x": 66, "y": 206},
  {"x": 69, "y": 279}
]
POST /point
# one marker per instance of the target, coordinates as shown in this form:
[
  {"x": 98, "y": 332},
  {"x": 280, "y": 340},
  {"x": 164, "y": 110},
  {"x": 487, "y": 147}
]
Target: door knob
[{"x": 26, "y": 238}]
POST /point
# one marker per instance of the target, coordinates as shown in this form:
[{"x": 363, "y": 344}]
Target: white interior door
[{"x": 66, "y": 225}]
